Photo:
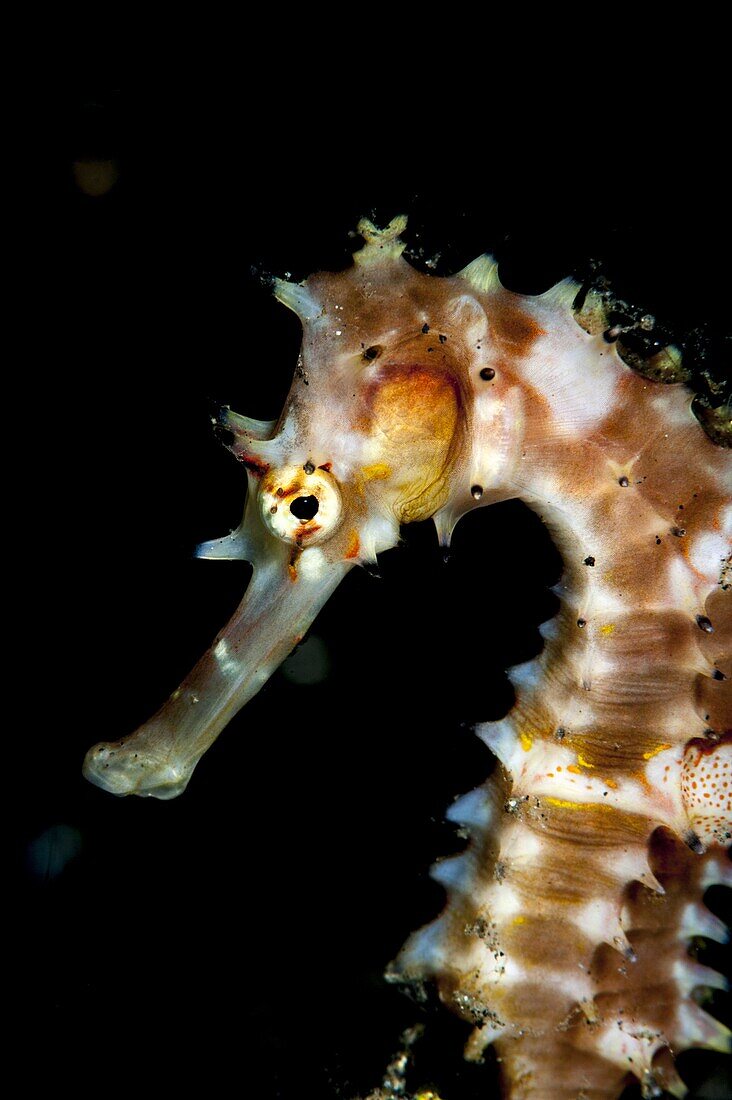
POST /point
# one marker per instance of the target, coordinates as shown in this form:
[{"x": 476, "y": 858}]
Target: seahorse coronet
[{"x": 609, "y": 813}]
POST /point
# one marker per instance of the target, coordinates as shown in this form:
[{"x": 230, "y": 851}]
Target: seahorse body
[{"x": 418, "y": 397}]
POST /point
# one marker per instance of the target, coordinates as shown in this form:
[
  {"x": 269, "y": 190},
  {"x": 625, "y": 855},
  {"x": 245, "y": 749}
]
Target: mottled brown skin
[{"x": 650, "y": 490}]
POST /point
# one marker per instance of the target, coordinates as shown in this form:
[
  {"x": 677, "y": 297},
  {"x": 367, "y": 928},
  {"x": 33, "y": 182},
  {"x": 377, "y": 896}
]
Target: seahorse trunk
[{"x": 565, "y": 934}]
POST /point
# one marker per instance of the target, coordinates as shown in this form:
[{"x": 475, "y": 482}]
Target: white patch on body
[
  {"x": 707, "y": 553},
  {"x": 577, "y": 375},
  {"x": 312, "y": 563},
  {"x": 682, "y": 588},
  {"x": 228, "y": 664},
  {"x": 628, "y": 1044}
]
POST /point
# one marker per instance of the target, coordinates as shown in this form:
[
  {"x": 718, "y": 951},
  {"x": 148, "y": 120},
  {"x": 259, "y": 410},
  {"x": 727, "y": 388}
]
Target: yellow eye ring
[{"x": 300, "y": 504}]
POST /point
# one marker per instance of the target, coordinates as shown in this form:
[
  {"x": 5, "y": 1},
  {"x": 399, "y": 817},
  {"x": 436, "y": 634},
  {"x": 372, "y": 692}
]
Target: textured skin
[{"x": 609, "y": 814}]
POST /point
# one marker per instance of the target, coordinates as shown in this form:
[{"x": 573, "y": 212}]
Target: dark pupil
[{"x": 304, "y": 507}]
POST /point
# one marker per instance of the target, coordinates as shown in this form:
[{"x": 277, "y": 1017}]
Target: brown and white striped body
[{"x": 609, "y": 814}]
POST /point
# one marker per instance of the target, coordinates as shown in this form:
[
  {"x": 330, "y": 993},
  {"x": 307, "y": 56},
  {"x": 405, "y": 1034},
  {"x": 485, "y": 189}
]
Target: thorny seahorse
[{"x": 591, "y": 848}]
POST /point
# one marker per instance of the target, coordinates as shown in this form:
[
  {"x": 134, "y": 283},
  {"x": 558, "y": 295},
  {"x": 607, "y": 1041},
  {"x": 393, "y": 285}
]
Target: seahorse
[{"x": 591, "y": 846}]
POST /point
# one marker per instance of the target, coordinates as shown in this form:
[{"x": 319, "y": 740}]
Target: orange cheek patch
[
  {"x": 413, "y": 417},
  {"x": 415, "y": 403}
]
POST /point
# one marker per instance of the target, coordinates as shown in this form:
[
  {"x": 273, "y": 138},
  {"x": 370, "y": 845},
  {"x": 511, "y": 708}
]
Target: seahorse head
[
  {"x": 375, "y": 429},
  {"x": 381, "y": 427}
]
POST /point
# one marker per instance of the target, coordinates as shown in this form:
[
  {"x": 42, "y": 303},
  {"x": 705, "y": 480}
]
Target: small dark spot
[
  {"x": 658, "y": 541},
  {"x": 560, "y": 733},
  {"x": 610, "y": 335},
  {"x": 681, "y": 507},
  {"x": 373, "y": 352},
  {"x": 589, "y": 560},
  {"x": 678, "y": 531},
  {"x": 718, "y": 675},
  {"x": 442, "y": 338},
  {"x": 691, "y": 839},
  {"x": 430, "y": 349},
  {"x": 487, "y": 374},
  {"x": 425, "y": 328},
  {"x": 304, "y": 508},
  {"x": 280, "y": 492},
  {"x": 273, "y": 509},
  {"x": 476, "y": 491},
  {"x": 582, "y": 622},
  {"x": 704, "y": 624},
  {"x": 309, "y": 468},
  {"x": 623, "y": 481}
]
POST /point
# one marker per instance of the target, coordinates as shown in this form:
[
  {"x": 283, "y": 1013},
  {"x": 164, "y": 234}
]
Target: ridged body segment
[{"x": 618, "y": 746}]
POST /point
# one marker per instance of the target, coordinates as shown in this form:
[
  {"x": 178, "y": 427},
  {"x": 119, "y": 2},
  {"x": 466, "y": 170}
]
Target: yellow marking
[
  {"x": 518, "y": 920},
  {"x": 353, "y": 545},
  {"x": 526, "y": 741},
  {"x": 377, "y": 472},
  {"x": 585, "y": 763},
  {"x": 576, "y": 805},
  {"x": 574, "y": 769},
  {"x": 607, "y": 629},
  {"x": 655, "y": 752},
  {"x": 610, "y": 783}
]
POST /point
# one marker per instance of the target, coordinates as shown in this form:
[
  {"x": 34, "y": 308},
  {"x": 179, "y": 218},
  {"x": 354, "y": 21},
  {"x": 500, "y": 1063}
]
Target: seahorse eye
[
  {"x": 300, "y": 504},
  {"x": 305, "y": 508}
]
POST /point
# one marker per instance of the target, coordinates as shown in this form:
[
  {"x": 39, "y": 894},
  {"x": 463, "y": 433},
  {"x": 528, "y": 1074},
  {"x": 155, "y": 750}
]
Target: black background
[{"x": 235, "y": 938}]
